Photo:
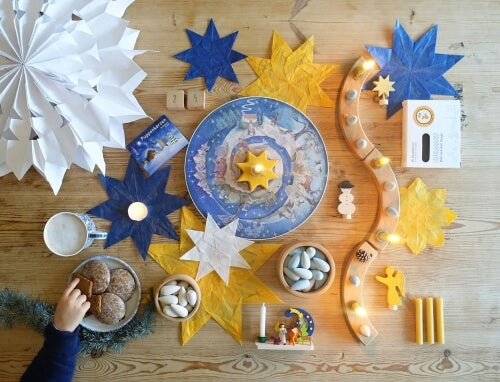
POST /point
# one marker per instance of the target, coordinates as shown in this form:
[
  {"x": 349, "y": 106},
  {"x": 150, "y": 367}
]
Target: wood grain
[{"x": 464, "y": 272}]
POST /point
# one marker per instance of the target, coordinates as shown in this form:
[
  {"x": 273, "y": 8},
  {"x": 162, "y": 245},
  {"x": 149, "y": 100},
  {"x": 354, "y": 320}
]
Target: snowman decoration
[{"x": 346, "y": 207}]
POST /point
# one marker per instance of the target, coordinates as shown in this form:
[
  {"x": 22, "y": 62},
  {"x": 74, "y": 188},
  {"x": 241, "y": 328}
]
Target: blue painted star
[
  {"x": 149, "y": 192},
  {"x": 211, "y": 56},
  {"x": 414, "y": 67}
]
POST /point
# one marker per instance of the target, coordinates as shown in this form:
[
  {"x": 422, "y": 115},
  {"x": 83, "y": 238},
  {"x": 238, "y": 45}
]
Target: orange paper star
[
  {"x": 290, "y": 75},
  {"x": 422, "y": 215},
  {"x": 220, "y": 301}
]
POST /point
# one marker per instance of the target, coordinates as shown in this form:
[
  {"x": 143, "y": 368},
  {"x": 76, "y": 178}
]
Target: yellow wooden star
[
  {"x": 257, "y": 170},
  {"x": 219, "y": 301},
  {"x": 383, "y": 86},
  {"x": 422, "y": 215},
  {"x": 290, "y": 75}
]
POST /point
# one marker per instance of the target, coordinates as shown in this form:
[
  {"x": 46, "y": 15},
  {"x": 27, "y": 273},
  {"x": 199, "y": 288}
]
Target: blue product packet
[{"x": 157, "y": 144}]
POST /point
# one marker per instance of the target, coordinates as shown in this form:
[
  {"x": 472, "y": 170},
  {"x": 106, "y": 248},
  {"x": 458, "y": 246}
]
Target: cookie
[
  {"x": 85, "y": 285},
  {"x": 98, "y": 272},
  {"x": 112, "y": 308},
  {"x": 96, "y": 304},
  {"x": 121, "y": 283}
]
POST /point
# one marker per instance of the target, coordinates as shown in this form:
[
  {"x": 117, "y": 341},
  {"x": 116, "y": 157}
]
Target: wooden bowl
[
  {"x": 301, "y": 246},
  {"x": 177, "y": 277}
]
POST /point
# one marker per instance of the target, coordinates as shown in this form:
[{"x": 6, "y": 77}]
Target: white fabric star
[{"x": 217, "y": 249}]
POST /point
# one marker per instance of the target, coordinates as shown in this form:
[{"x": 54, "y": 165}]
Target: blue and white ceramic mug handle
[{"x": 98, "y": 235}]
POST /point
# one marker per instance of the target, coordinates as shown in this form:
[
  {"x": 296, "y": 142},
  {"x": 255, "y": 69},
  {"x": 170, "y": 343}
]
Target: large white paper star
[{"x": 217, "y": 249}]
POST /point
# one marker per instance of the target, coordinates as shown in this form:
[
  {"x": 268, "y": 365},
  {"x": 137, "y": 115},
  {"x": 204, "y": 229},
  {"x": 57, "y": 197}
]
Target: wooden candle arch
[{"x": 386, "y": 221}]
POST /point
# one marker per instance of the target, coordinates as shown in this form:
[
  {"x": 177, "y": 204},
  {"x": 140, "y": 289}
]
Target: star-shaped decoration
[
  {"x": 414, "y": 66},
  {"x": 383, "y": 86},
  {"x": 147, "y": 192},
  {"x": 422, "y": 215},
  {"x": 290, "y": 75},
  {"x": 217, "y": 249},
  {"x": 219, "y": 301},
  {"x": 210, "y": 56},
  {"x": 257, "y": 170}
]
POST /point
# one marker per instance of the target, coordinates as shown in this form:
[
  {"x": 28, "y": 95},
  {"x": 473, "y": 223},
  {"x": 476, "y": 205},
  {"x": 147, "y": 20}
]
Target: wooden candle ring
[{"x": 388, "y": 201}]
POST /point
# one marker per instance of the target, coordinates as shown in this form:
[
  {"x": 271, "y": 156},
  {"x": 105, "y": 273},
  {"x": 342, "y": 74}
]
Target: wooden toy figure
[
  {"x": 395, "y": 281},
  {"x": 346, "y": 207},
  {"x": 282, "y": 333}
]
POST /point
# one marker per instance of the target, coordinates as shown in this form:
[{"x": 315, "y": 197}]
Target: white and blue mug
[{"x": 69, "y": 233}]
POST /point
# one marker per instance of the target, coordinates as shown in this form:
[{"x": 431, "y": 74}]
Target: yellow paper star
[
  {"x": 422, "y": 215},
  {"x": 220, "y": 301},
  {"x": 290, "y": 75},
  {"x": 383, "y": 86},
  {"x": 257, "y": 170}
]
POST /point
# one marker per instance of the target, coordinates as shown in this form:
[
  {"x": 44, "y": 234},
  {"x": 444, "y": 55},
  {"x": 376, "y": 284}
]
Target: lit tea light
[
  {"x": 257, "y": 169},
  {"x": 382, "y": 161},
  {"x": 360, "y": 70},
  {"x": 358, "y": 309},
  {"x": 137, "y": 211},
  {"x": 389, "y": 237}
]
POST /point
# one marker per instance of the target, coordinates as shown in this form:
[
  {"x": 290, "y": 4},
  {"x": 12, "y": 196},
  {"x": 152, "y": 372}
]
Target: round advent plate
[
  {"x": 256, "y": 124},
  {"x": 91, "y": 322}
]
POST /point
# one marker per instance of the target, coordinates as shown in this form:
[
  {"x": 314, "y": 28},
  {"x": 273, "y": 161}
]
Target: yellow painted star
[
  {"x": 257, "y": 170},
  {"x": 383, "y": 86},
  {"x": 219, "y": 301},
  {"x": 422, "y": 215},
  {"x": 290, "y": 75}
]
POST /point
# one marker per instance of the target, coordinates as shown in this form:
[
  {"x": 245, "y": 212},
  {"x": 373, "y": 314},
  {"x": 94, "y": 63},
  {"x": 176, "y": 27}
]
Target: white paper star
[{"x": 217, "y": 249}]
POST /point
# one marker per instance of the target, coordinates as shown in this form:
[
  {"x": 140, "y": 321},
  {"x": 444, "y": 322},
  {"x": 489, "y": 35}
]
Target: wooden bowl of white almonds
[
  {"x": 177, "y": 297},
  {"x": 306, "y": 269}
]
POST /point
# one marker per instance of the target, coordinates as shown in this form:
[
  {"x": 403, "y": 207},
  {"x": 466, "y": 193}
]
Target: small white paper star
[{"x": 217, "y": 249}]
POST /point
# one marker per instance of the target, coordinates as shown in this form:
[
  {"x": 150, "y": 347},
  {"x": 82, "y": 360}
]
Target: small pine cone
[{"x": 363, "y": 256}]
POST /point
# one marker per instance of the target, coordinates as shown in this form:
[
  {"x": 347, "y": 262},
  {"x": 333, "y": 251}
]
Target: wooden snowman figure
[{"x": 346, "y": 207}]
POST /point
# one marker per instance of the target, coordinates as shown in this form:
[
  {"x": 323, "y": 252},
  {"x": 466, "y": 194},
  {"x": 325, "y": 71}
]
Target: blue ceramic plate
[{"x": 256, "y": 124}]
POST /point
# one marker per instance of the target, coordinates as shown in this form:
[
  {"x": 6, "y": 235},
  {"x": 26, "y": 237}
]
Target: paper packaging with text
[
  {"x": 157, "y": 144},
  {"x": 431, "y": 133}
]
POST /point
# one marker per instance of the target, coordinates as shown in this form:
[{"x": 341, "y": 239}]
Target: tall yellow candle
[
  {"x": 439, "y": 320},
  {"x": 429, "y": 319},
  {"x": 419, "y": 327}
]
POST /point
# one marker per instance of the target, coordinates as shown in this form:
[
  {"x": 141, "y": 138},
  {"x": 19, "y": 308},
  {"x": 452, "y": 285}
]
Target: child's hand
[{"x": 71, "y": 308}]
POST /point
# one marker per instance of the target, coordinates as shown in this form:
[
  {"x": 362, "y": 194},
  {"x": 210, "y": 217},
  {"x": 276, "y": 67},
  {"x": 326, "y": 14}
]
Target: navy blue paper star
[
  {"x": 136, "y": 188},
  {"x": 211, "y": 56},
  {"x": 415, "y": 67}
]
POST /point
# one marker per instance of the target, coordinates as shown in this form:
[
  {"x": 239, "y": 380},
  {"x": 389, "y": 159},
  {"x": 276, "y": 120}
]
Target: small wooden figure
[
  {"x": 346, "y": 207},
  {"x": 282, "y": 333},
  {"x": 395, "y": 281},
  {"x": 175, "y": 99},
  {"x": 195, "y": 99},
  {"x": 383, "y": 86}
]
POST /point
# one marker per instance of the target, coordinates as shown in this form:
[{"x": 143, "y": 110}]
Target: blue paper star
[
  {"x": 211, "y": 56},
  {"x": 415, "y": 67},
  {"x": 136, "y": 188}
]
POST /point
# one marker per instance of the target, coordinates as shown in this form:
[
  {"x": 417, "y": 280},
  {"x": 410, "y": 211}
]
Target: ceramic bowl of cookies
[
  {"x": 177, "y": 297},
  {"x": 113, "y": 289},
  {"x": 305, "y": 269}
]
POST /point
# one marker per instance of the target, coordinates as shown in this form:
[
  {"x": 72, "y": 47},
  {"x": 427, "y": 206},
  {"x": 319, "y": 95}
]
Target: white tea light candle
[{"x": 137, "y": 211}]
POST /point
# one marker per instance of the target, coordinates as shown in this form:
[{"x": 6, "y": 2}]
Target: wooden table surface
[{"x": 464, "y": 271}]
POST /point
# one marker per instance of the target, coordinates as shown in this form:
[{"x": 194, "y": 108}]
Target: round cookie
[
  {"x": 98, "y": 272},
  {"x": 122, "y": 283},
  {"x": 112, "y": 309}
]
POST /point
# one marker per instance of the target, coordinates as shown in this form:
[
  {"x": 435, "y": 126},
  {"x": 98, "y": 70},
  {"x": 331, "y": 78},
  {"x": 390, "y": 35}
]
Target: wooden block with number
[
  {"x": 175, "y": 99},
  {"x": 195, "y": 99}
]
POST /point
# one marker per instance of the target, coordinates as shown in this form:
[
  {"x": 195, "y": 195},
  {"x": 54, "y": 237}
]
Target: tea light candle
[
  {"x": 137, "y": 211},
  {"x": 262, "y": 332},
  {"x": 360, "y": 70},
  {"x": 358, "y": 309},
  {"x": 257, "y": 169},
  {"x": 382, "y": 161},
  {"x": 389, "y": 237}
]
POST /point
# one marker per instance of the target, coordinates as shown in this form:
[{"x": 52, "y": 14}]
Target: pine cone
[{"x": 363, "y": 256}]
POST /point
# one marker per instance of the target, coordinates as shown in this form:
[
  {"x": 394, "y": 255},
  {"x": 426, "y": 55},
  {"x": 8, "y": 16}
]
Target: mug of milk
[{"x": 69, "y": 233}]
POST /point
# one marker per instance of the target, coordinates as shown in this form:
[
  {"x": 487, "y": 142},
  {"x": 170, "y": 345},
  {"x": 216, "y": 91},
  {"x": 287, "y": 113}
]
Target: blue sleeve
[{"x": 56, "y": 360}]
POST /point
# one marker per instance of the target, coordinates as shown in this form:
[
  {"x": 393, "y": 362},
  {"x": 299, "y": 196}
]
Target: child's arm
[{"x": 56, "y": 360}]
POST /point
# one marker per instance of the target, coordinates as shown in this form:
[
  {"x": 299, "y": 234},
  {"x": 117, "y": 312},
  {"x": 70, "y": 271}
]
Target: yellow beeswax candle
[
  {"x": 429, "y": 319},
  {"x": 439, "y": 320},
  {"x": 419, "y": 328}
]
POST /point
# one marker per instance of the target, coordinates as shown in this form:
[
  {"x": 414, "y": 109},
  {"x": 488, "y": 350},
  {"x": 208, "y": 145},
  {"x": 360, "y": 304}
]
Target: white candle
[
  {"x": 137, "y": 211},
  {"x": 257, "y": 169},
  {"x": 262, "y": 332}
]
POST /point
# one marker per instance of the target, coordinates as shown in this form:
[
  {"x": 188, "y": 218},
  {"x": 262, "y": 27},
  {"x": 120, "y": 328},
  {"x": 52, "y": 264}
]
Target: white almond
[
  {"x": 183, "y": 283},
  {"x": 169, "y": 289},
  {"x": 182, "y": 296},
  {"x": 173, "y": 282},
  {"x": 305, "y": 261},
  {"x": 168, "y": 300},
  {"x": 311, "y": 251},
  {"x": 301, "y": 284},
  {"x": 365, "y": 330},
  {"x": 179, "y": 310},
  {"x": 167, "y": 309},
  {"x": 317, "y": 275},
  {"x": 294, "y": 261},
  {"x": 293, "y": 276},
  {"x": 303, "y": 273},
  {"x": 322, "y": 265},
  {"x": 192, "y": 297},
  {"x": 310, "y": 287}
]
